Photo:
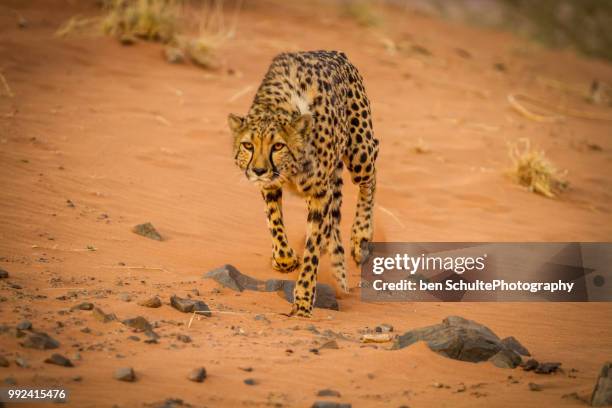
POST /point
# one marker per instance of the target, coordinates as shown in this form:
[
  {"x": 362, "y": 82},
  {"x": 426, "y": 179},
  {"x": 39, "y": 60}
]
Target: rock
[
  {"x": 325, "y": 299},
  {"x": 153, "y": 302},
  {"x": 4, "y": 362},
  {"x": 534, "y": 387},
  {"x": 184, "y": 338},
  {"x": 147, "y": 230},
  {"x": 125, "y": 374},
  {"x": 331, "y": 345},
  {"x": 328, "y": 393},
  {"x": 547, "y": 368},
  {"x": 138, "y": 323},
  {"x": 40, "y": 341},
  {"x": 22, "y": 362},
  {"x": 59, "y": 360},
  {"x": 83, "y": 306},
  {"x": 384, "y": 328},
  {"x": 230, "y": 277},
  {"x": 262, "y": 318},
  {"x": 24, "y": 325},
  {"x": 190, "y": 305},
  {"x": 506, "y": 358},
  {"x": 170, "y": 403},
  {"x": 99, "y": 315},
  {"x": 602, "y": 393},
  {"x": 3, "y": 274},
  {"x": 456, "y": 338},
  {"x": 174, "y": 55},
  {"x": 251, "y": 381},
  {"x": 198, "y": 375},
  {"x": 125, "y": 297},
  {"x": 134, "y": 338},
  {"x": 530, "y": 365},
  {"x": 330, "y": 404},
  {"x": 152, "y": 337},
  {"x": 376, "y": 337},
  {"x": 513, "y": 344}
]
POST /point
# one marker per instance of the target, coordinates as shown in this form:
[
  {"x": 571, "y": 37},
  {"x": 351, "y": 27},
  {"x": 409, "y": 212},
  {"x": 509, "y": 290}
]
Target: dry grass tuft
[
  {"x": 533, "y": 170},
  {"x": 363, "y": 12},
  {"x": 153, "y": 20}
]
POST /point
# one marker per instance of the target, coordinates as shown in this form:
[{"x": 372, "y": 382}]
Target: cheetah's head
[{"x": 267, "y": 151}]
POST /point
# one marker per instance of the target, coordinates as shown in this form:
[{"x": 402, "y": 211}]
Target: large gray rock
[
  {"x": 513, "y": 344},
  {"x": 456, "y": 338},
  {"x": 230, "y": 277},
  {"x": 602, "y": 393},
  {"x": 325, "y": 298}
]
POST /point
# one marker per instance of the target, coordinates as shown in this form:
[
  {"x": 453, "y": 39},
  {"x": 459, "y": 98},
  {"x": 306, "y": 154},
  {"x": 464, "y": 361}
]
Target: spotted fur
[{"x": 309, "y": 118}]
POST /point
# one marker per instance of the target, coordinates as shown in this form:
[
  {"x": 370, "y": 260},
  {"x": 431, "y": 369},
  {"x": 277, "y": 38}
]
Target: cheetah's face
[{"x": 268, "y": 153}]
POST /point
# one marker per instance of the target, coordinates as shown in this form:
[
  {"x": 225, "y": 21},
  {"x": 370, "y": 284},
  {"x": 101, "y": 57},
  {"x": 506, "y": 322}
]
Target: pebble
[
  {"x": 125, "y": 374},
  {"x": 153, "y": 302},
  {"x": 198, "y": 375},
  {"x": 59, "y": 360},
  {"x": 24, "y": 325}
]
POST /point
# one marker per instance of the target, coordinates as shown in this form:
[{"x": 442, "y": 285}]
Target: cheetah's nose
[{"x": 259, "y": 170}]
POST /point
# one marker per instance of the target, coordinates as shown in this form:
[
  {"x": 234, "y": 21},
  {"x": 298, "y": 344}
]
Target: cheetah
[{"x": 310, "y": 117}]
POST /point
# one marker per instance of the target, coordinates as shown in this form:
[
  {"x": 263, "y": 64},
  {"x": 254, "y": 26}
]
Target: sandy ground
[{"x": 129, "y": 138}]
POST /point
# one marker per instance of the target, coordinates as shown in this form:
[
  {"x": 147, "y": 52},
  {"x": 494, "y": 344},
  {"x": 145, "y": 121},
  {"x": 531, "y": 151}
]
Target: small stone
[
  {"x": 251, "y": 381},
  {"x": 190, "y": 305},
  {"x": 125, "y": 297},
  {"x": 184, "y": 338},
  {"x": 547, "y": 368},
  {"x": 40, "y": 341},
  {"x": 328, "y": 393},
  {"x": 22, "y": 362},
  {"x": 83, "y": 306},
  {"x": 138, "y": 323},
  {"x": 134, "y": 338},
  {"x": 59, "y": 360},
  {"x": 534, "y": 387},
  {"x": 125, "y": 374},
  {"x": 384, "y": 328},
  {"x": 77, "y": 356},
  {"x": 262, "y": 318},
  {"x": 4, "y": 362},
  {"x": 198, "y": 375},
  {"x": 331, "y": 344},
  {"x": 513, "y": 344},
  {"x": 24, "y": 325},
  {"x": 530, "y": 364},
  {"x": 99, "y": 315},
  {"x": 147, "y": 230},
  {"x": 153, "y": 302},
  {"x": 77, "y": 378},
  {"x": 10, "y": 381},
  {"x": 602, "y": 393},
  {"x": 330, "y": 404},
  {"x": 3, "y": 274}
]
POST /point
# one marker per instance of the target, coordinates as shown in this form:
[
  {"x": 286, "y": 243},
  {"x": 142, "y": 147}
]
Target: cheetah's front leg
[
  {"x": 305, "y": 287},
  {"x": 284, "y": 258}
]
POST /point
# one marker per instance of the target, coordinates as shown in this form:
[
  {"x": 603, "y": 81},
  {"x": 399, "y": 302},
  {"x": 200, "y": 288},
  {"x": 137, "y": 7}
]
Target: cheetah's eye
[
  {"x": 278, "y": 146},
  {"x": 247, "y": 145}
]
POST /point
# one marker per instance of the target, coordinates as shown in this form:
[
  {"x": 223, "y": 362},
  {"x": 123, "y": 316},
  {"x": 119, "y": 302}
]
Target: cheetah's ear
[
  {"x": 235, "y": 122},
  {"x": 301, "y": 125}
]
